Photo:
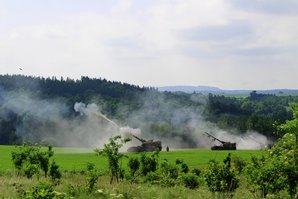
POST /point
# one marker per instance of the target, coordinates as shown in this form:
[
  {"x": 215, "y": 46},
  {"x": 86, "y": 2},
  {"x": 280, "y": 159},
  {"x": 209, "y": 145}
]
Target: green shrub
[
  {"x": 184, "y": 168},
  {"x": 31, "y": 159},
  {"x": 153, "y": 178},
  {"x": 149, "y": 163},
  {"x": 30, "y": 170},
  {"x": 111, "y": 151},
  {"x": 133, "y": 165},
  {"x": 91, "y": 177},
  {"x": 169, "y": 170},
  {"x": 42, "y": 190},
  {"x": 196, "y": 171},
  {"x": 265, "y": 175},
  {"x": 239, "y": 163},
  {"x": 55, "y": 174},
  {"x": 190, "y": 181},
  {"x": 221, "y": 178}
]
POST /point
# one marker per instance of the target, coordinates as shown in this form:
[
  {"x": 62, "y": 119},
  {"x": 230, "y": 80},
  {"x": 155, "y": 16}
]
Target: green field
[
  {"x": 74, "y": 183},
  {"x": 77, "y": 158}
]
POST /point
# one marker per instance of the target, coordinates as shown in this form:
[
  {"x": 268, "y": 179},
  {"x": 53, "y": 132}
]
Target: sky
[{"x": 230, "y": 44}]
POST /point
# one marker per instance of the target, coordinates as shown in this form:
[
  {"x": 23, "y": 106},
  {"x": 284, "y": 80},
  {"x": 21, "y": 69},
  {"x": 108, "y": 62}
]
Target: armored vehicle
[
  {"x": 224, "y": 145},
  {"x": 147, "y": 145}
]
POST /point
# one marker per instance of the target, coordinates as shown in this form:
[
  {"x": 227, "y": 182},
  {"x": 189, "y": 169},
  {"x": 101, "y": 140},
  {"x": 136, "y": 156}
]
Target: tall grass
[{"x": 73, "y": 161}]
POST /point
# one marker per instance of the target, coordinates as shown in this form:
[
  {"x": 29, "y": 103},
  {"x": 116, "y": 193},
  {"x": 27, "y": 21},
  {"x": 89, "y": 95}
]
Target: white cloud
[{"x": 156, "y": 43}]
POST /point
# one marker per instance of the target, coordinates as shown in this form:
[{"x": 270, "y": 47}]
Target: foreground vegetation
[
  {"x": 174, "y": 174},
  {"x": 73, "y": 166}
]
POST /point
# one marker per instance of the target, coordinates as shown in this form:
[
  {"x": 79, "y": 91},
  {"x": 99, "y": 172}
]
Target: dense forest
[{"x": 46, "y": 110}]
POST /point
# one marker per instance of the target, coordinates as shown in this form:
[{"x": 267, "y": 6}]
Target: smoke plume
[{"x": 177, "y": 125}]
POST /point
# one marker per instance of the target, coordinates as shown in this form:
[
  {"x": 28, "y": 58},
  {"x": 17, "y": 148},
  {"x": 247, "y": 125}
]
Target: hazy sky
[{"x": 231, "y": 44}]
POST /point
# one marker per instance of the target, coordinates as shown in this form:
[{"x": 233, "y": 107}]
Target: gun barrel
[
  {"x": 209, "y": 135},
  {"x": 140, "y": 139}
]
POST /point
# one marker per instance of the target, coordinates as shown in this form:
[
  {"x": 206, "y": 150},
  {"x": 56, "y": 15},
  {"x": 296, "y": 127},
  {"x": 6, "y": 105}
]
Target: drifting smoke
[
  {"x": 52, "y": 122},
  {"x": 91, "y": 110},
  {"x": 187, "y": 125},
  {"x": 128, "y": 131}
]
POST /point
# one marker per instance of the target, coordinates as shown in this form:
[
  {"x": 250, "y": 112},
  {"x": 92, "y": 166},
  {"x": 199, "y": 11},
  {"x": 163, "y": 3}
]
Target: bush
[
  {"x": 265, "y": 175},
  {"x": 277, "y": 171},
  {"x": 190, "y": 181},
  {"x": 149, "y": 163},
  {"x": 169, "y": 170},
  {"x": 239, "y": 163},
  {"x": 221, "y": 178},
  {"x": 42, "y": 190},
  {"x": 153, "y": 178},
  {"x": 31, "y": 159},
  {"x": 111, "y": 151},
  {"x": 196, "y": 171},
  {"x": 55, "y": 174},
  {"x": 184, "y": 168},
  {"x": 30, "y": 170},
  {"x": 133, "y": 165},
  {"x": 92, "y": 176}
]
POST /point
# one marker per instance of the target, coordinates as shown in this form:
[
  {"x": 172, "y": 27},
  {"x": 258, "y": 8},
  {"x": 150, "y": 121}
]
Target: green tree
[
  {"x": 111, "y": 151},
  {"x": 31, "y": 159},
  {"x": 220, "y": 177},
  {"x": 278, "y": 169},
  {"x": 287, "y": 150}
]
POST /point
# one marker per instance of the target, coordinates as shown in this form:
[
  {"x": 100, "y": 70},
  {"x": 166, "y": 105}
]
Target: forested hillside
[{"x": 62, "y": 112}]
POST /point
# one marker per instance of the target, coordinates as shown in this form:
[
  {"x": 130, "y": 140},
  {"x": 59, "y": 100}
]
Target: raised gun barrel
[
  {"x": 141, "y": 140},
  {"x": 214, "y": 138}
]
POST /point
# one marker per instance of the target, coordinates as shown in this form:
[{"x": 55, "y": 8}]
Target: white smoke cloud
[{"x": 52, "y": 122}]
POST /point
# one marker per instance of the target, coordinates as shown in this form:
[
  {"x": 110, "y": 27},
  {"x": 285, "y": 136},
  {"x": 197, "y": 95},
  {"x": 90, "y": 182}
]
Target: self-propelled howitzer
[
  {"x": 224, "y": 145},
  {"x": 146, "y": 146}
]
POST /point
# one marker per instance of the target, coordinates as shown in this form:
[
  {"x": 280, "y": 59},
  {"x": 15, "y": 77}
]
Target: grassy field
[{"x": 76, "y": 158}]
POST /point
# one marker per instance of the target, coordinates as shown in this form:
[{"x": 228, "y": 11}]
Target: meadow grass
[
  {"x": 73, "y": 160},
  {"x": 76, "y": 184},
  {"x": 76, "y": 158}
]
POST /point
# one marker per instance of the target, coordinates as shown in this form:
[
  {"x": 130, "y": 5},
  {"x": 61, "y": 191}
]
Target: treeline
[
  {"x": 258, "y": 112},
  {"x": 162, "y": 115}
]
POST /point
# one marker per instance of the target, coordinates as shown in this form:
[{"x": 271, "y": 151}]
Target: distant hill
[
  {"x": 216, "y": 90},
  {"x": 191, "y": 89}
]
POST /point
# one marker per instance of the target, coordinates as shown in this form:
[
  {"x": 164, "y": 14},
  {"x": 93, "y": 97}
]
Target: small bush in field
[
  {"x": 153, "y": 177},
  {"x": 111, "y": 151},
  {"x": 183, "y": 165},
  {"x": 31, "y": 159},
  {"x": 134, "y": 165},
  {"x": 190, "y": 181},
  {"x": 221, "y": 178},
  {"x": 149, "y": 163},
  {"x": 184, "y": 168},
  {"x": 169, "y": 170},
  {"x": 92, "y": 176},
  {"x": 239, "y": 163},
  {"x": 196, "y": 171},
  {"x": 55, "y": 174},
  {"x": 42, "y": 190},
  {"x": 30, "y": 170},
  {"x": 265, "y": 175}
]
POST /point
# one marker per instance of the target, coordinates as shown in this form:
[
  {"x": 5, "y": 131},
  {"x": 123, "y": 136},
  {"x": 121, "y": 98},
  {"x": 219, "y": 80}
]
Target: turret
[
  {"x": 147, "y": 145},
  {"x": 224, "y": 146}
]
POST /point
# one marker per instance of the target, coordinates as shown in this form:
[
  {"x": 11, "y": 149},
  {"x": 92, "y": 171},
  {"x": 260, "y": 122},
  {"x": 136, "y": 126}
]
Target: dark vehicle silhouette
[
  {"x": 224, "y": 145},
  {"x": 146, "y": 146}
]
